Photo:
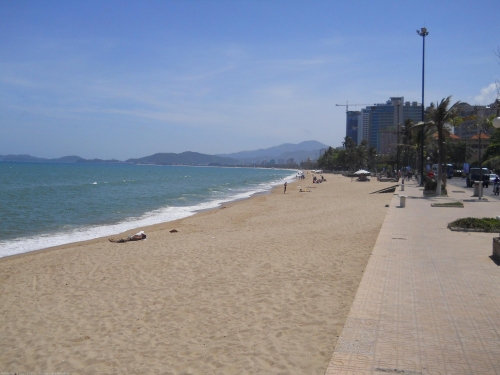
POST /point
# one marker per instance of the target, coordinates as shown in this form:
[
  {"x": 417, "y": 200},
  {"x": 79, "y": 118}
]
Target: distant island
[{"x": 287, "y": 154}]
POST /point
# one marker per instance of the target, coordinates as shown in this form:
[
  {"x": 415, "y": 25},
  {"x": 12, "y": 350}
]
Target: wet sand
[{"x": 260, "y": 286}]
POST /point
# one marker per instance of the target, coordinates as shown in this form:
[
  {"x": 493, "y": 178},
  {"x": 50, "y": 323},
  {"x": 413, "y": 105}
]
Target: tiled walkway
[{"x": 429, "y": 301}]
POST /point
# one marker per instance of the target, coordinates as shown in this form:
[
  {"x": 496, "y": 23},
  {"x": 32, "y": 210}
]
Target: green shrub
[
  {"x": 448, "y": 204},
  {"x": 487, "y": 224}
]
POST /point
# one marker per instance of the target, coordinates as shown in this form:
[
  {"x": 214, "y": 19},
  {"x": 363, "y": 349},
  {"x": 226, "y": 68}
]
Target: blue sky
[{"x": 124, "y": 79}]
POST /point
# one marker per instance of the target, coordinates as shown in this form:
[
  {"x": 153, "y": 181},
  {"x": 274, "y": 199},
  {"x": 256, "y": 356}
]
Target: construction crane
[{"x": 347, "y": 105}]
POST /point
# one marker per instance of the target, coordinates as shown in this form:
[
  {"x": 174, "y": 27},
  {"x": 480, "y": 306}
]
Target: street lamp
[
  {"x": 423, "y": 33},
  {"x": 397, "y": 149}
]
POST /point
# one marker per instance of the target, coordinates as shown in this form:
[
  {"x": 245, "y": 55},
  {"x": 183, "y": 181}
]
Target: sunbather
[{"x": 136, "y": 237}]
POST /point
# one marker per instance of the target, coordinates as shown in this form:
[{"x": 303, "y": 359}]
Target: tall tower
[
  {"x": 352, "y": 125},
  {"x": 364, "y": 125}
]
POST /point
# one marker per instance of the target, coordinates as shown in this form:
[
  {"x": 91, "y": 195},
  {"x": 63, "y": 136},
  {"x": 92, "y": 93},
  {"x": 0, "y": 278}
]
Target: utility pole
[{"x": 397, "y": 145}]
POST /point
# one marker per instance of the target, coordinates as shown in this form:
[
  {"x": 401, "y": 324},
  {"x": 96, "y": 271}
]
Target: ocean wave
[{"x": 160, "y": 215}]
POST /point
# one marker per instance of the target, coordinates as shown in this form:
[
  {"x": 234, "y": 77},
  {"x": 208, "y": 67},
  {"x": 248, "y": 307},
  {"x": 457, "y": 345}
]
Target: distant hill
[
  {"x": 298, "y": 152},
  {"x": 33, "y": 159},
  {"x": 184, "y": 158},
  {"x": 99, "y": 161},
  {"x": 68, "y": 159}
]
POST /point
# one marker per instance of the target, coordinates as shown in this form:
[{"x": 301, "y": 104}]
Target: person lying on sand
[
  {"x": 305, "y": 191},
  {"x": 136, "y": 237}
]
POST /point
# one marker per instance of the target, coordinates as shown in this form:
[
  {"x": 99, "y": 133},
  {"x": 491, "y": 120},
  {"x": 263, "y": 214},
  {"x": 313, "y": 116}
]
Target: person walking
[{"x": 284, "y": 191}]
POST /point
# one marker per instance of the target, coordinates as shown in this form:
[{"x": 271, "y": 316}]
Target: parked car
[{"x": 475, "y": 174}]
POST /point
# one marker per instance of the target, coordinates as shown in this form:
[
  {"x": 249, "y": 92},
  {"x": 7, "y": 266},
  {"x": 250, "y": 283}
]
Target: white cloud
[{"x": 488, "y": 94}]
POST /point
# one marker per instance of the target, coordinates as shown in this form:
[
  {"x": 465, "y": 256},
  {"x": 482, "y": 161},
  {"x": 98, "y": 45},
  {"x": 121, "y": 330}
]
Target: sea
[{"x": 46, "y": 204}]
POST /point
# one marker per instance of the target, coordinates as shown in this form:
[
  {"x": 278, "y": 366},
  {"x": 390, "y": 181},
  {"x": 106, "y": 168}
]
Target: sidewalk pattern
[{"x": 429, "y": 301}]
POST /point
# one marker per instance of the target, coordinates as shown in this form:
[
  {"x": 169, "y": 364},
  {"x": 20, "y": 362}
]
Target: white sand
[{"x": 262, "y": 286}]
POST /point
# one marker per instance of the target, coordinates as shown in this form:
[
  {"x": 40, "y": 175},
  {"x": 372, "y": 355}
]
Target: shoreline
[
  {"x": 139, "y": 228},
  {"x": 146, "y": 229},
  {"x": 263, "y": 285}
]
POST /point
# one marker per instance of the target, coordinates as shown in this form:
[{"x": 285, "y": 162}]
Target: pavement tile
[{"x": 428, "y": 302}]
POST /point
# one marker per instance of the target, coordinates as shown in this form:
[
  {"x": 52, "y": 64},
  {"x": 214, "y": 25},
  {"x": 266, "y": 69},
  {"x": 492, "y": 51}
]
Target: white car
[{"x": 492, "y": 178}]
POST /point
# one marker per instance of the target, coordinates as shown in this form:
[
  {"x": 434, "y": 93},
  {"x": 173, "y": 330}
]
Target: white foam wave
[{"x": 166, "y": 214}]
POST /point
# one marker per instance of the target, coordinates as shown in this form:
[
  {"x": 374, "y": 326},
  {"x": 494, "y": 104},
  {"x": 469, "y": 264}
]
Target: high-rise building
[
  {"x": 364, "y": 125},
  {"x": 386, "y": 119},
  {"x": 413, "y": 112},
  {"x": 378, "y": 124},
  {"x": 351, "y": 129}
]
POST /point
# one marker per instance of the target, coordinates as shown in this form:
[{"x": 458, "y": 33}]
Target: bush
[
  {"x": 448, "y": 204},
  {"x": 487, "y": 224},
  {"x": 430, "y": 184},
  {"x": 493, "y": 163}
]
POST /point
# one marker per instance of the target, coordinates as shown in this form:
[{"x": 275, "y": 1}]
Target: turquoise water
[{"x": 44, "y": 205}]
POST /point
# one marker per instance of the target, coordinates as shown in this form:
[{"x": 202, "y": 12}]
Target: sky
[{"x": 126, "y": 79}]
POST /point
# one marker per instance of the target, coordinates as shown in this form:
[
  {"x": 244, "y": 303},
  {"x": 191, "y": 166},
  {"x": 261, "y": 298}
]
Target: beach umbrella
[{"x": 362, "y": 171}]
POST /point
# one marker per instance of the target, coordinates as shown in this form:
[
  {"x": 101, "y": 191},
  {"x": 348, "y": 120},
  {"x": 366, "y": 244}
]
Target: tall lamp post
[
  {"x": 423, "y": 33},
  {"x": 397, "y": 149},
  {"x": 496, "y": 120}
]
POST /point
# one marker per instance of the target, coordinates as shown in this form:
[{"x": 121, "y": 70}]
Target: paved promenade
[{"x": 429, "y": 301}]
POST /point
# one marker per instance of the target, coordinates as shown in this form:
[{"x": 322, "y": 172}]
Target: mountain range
[
  {"x": 299, "y": 152},
  {"x": 286, "y": 151}
]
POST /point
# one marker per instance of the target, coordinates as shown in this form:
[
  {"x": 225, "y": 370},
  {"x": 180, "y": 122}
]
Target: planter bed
[
  {"x": 472, "y": 224},
  {"x": 448, "y": 204}
]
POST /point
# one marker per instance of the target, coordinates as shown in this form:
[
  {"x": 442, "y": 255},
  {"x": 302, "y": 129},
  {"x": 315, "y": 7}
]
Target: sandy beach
[{"x": 260, "y": 286}]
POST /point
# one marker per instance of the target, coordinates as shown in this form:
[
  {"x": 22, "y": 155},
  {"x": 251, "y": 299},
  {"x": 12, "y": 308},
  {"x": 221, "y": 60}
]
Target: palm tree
[
  {"x": 407, "y": 134},
  {"x": 351, "y": 152},
  {"x": 442, "y": 116},
  {"x": 428, "y": 131},
  {"x": 327, "y": 160},
  {"x": 372, "y": 155},
  {"x": 362, "y": 154}
]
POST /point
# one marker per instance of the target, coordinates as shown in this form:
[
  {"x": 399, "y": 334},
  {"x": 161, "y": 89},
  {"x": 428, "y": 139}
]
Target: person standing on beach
[{"x": 284, "y": 191}]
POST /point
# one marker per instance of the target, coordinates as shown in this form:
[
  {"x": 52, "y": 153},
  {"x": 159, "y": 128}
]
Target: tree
[
  {"x": 308, "y": 164},
  {"x": 442, "y": 116},
  {"x": 372, "y": 155},
  {"x": 407, "y": 135},
  {"x": 493, "y": 163},
  {"x": 493, "y": 148},
  {"x": 459, "y": 152},
  {"x": 328, "y": 160},
  {"x": 362, "y": 154},
  {"x": 342, "y": 158},
  {"x": 351, "y": 153},
  {"x": 351, "y": 157},
  {"x": 417, "y": 134},
  {"x": 481, "y": 124}
]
